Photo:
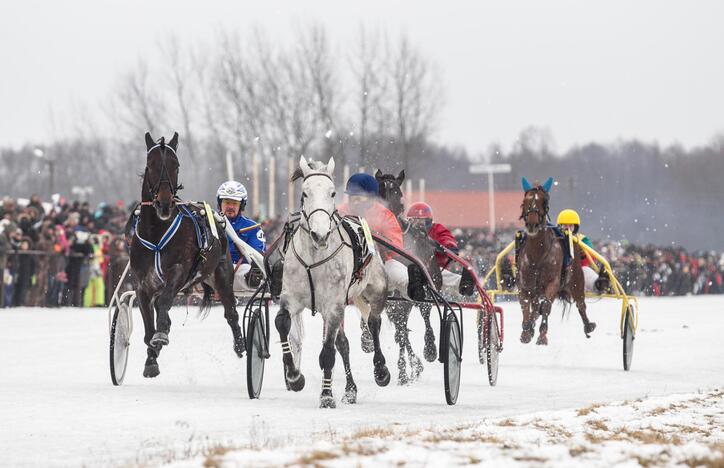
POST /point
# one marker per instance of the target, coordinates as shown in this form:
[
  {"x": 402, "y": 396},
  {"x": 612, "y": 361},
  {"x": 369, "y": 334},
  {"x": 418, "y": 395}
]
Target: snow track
[{"x": 58, "y": 407}]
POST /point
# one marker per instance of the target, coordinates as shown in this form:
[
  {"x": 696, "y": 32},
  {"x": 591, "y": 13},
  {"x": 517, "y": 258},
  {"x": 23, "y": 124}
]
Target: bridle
[
  {"x": 333, "y": 216},
  {"x": 389, "y": 186},
  {"x": 542, "y": 213},
  {"x": 163, "y": 178}
]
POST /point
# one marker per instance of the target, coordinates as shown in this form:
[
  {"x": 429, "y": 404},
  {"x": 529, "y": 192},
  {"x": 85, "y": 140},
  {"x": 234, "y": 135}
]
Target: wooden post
[
  {"x": 272, "y": 188},
  {"x": 255, "y": 184}
]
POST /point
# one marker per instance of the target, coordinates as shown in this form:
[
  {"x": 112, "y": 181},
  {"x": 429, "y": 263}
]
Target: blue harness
[{"x": 184, "y": 212}]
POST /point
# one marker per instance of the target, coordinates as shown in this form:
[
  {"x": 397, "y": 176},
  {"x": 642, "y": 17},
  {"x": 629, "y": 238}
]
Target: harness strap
[
  {"x": 156, "y": 248},
  {"x": 309, "y": 269}
]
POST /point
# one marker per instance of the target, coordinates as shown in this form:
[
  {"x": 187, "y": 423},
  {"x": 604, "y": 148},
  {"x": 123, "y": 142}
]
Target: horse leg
[
  {"x": 416, "y": 366},
  {"x": 382, "y": 374},
  {"x": 350, "y": 390},
  {"x": 395, "y": 314},
  {"x": 150, "y": 369},
  {"x": 162, "y": 305},
  {"x": 528, "y": 324},
  {"x": 588, "y": 326},
  {"x": 224, "y": 286},
  {"x": 283, "y": 322},
  {"x": 430, "y": 352},
  {"x": 366, "y": 339},
  {"x": 545, "y": 310},
  {"x": 327, "y": 358}
]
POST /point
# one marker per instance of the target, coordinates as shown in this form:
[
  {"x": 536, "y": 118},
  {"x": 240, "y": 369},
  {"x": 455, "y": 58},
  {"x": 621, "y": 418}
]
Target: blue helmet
[{"x": 362, "y": 184}]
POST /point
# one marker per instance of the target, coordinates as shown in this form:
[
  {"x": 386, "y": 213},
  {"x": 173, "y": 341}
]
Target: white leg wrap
[
  {"x": 326, "y": 384},
  {"x": 286, "y": 347}
]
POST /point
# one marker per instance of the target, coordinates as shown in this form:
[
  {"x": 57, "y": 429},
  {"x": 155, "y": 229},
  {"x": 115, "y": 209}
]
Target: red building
[{"x": 471, "y": 209}]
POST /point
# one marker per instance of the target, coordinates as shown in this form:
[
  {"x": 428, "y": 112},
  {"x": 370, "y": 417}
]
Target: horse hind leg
[
  {"x": 292, "y": 376},
  {"x": 381, "y": 373},
  {"x": 224, "y": 286},
  {"x": 350, "y": 390},
  {"x": 588, "y": 326},
  {"x": 430, "y": 352},
  {"x": 397, "y": 316}
]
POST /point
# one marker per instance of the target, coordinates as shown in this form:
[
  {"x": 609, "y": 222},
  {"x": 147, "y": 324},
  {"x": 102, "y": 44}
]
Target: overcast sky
[{"x": 586, "y": 70}]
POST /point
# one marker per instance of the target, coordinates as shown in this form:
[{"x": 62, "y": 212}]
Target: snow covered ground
[{"x": 58, "y": 407}]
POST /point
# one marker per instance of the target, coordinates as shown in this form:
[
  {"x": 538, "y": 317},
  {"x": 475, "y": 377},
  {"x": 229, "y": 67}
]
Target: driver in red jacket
[{"x": 420, "y": 215}]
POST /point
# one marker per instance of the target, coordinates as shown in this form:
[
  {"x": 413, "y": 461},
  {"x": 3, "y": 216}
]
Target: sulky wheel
[
  {"x": 492, "y": 350},
  {"x": 452, "y": 350},
  {"x": 120, "y": 342},
  {"x": 628, "y": 338},
  {"x": 255, "y": 355}
]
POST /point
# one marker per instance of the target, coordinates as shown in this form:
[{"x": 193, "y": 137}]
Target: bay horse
[
  {"x": 419, "y": 245},
  {"x": 540, "y": 267},
  {"x": 166, "y": 255},
  {"x": 319, "y": 274}
]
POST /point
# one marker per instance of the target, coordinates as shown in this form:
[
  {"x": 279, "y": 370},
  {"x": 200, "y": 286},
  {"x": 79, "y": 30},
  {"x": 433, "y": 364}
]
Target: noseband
[{"x": 332, "y": 216}]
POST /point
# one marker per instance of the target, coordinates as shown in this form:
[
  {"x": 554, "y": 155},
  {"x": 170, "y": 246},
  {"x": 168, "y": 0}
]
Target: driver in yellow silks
[{"x": 569, "y": 220}]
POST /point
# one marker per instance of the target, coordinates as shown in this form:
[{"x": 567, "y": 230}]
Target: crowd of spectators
[{"x": 61, "y": 253}]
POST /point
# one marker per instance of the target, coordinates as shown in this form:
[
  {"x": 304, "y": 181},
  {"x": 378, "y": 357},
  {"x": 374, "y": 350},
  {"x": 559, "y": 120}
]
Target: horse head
[
  {"x": 160, "y": 179},
  {"x": 318, "y": 192},
  {"x": 535, "y": 205},
  {"x": 391, "y": 190}
]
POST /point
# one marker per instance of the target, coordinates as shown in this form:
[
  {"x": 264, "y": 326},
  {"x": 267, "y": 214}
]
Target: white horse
[{"x": 318, "y": 275}]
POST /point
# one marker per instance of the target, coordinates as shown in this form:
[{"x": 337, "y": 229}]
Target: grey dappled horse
[{"x": 318, "y": 270}]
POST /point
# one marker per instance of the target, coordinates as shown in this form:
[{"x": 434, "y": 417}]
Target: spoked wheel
[
  {"x": 255, "y": 356},
  {"x": 482, "y": 338},
  {"x": 453, "y": 356},
  {"x": 492, "y": 349},
  {"x": 628, "y": 338},
  {"x": 120, "y": 344}
]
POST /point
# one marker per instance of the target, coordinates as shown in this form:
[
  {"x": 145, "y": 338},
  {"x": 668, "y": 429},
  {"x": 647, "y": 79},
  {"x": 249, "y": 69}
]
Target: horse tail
[
  {"x": 205, "y": 305},
  {"x": 567, "y": 299}
]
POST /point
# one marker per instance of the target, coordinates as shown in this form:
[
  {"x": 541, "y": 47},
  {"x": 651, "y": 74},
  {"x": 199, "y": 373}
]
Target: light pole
[
  {"x": 490, "y": 169},
  {"x": 39, "y": 153}
]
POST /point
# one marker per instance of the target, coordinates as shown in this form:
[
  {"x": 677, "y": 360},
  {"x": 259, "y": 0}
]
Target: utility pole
[{"x": 491, "y": 169}]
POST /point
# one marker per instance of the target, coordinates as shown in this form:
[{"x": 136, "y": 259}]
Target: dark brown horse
[
  {"x": 417, "y": 243},
  {"x": 541, "y": 276},
  {"x": 166, "y": 255}
]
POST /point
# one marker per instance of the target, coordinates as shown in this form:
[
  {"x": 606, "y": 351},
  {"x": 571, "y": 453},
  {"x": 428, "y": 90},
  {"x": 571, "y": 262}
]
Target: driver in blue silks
[{"x": 231, "y": 198}]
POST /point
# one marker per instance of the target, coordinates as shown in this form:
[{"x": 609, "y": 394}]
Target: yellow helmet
[{"x": 568, "y": 217}]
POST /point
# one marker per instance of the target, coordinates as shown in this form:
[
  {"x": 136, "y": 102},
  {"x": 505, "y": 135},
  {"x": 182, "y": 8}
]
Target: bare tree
[
  {"x": 417, "y": 97},
  {"x": 137, "y": 104},
  {"x": 368, "y": 64},
  {"x": 182, "y": 82}
]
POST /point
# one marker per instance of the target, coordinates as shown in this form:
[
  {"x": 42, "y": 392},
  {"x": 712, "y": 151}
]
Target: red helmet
[{"x": 420, "y": 210}]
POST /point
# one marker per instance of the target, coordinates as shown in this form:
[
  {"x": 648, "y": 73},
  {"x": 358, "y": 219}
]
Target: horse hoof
[
  {"x": 151, "y": 371},
  {"x": 159, "y": 339},
  {"x": 350, "y": 397},
  {"x": 296, "y": 383},
  {"x": 417, "y": 369},
  {"x": 403, "y": 380},
  {"x": 525, "y": 337},
  {"x": 327, "y": 402},
  {"x": 239, "y": 348},
  {"x": 542, "y": 340},
  {"x": 589, "y": 328},
  {"x": 382, "y": 376}
]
